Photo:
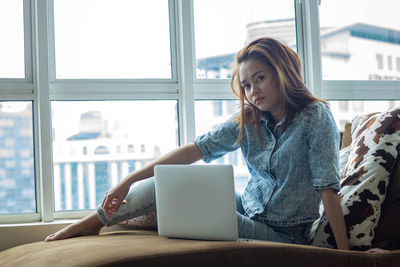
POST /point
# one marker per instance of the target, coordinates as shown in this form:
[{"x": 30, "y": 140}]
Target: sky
[
  {"x": 91, "y": 43},
  {"x": 146, "y": 121},
  {"x": 381, "y": 13},
  {"x": 90, "y": 40},
  {"x": 220, "y": 25}
]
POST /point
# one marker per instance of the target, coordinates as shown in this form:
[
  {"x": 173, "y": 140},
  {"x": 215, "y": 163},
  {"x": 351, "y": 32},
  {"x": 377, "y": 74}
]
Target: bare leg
[
  {"x": 90, "y": 225},
  {"x": 140, "y": 200}
]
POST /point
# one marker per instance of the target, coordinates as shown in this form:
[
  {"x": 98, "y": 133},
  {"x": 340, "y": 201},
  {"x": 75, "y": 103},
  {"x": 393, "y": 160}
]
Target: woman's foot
[{"x": 90, "y": 225}]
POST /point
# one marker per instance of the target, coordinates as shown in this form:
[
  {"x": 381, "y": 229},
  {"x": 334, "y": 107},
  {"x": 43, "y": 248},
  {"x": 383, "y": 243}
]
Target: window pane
[
  {"x": 209, "y": 114},
  {"x": 112, "y": 39},
  {"x": 345, "y": 111},
  {"x": 12, "y": 61},
  {"x": 223, "y": 27},
  {"x": 359, "y": 39},
  {"x": 97, "y": 143},
  {"x": 17, "y": 178}
]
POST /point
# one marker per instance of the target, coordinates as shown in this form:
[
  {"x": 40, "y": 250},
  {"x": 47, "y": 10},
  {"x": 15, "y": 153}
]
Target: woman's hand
[
  {"x": 377, "y": 251},
  {"x": 115, "y": 197},
  {"x": 186, "y": 154}
]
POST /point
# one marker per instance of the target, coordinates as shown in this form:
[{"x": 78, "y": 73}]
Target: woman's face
[{"x": 261, "y": 86}]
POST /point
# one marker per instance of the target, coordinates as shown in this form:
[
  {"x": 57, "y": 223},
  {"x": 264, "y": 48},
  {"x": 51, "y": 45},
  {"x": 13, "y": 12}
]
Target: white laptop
[{"x": 196, "y": 202}]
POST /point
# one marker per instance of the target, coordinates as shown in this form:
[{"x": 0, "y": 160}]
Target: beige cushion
[
  {"x": 144, "y": 248},
  {"x": 346, "y": 137}
]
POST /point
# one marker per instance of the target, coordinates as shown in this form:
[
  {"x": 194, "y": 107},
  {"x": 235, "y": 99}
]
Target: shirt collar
[{"x": 267, "y": 117}]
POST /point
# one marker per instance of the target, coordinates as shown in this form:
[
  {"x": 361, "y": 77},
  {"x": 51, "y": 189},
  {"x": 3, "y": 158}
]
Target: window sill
[
  {"x": 22, "y": 233},
  {"x": 16, "y": 234}
]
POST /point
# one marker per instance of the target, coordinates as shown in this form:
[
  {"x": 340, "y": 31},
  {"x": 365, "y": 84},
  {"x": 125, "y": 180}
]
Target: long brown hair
[{"x": 287, "y": 69}]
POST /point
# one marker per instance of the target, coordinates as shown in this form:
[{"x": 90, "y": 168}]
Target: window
[
  {"x": 17, "y": 178},
  {"x": 398, "y": 64},
  {"x": 100, "y": 127},
  {"x": 379, "y": 60},
  {"x": 12, "y": 53},
  {"x": 112, "y": 39},
  {"x": 389, "y": 61},
  {"x": 222, "y": 27},
  {"x": 342, "y": 116},
  {"x": 343, "y": 105},
  {"x": 206, "y": 119},
  {"x": 349, "y": 45},
  {"x": 358, "y": 106},
  {"x": 118, "y": 83},
  {"x": 101, "y": 150}
]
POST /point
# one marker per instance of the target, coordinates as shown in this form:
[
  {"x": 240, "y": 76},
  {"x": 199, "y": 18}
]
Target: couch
[{"x": 137, "y": 247}]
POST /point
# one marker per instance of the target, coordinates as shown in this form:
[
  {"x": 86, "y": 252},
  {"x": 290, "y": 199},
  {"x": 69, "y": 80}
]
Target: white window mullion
[
  {"x": 51, "y": 42},
  {"x": 299, "y": 34},
  {"x": 187, "y": 68},
  {"x": 311, "y": 43},
  {"x": 28, "y": 40},
  {"x": 42, "y": 111},
  {"x": 172, "y": 6}
]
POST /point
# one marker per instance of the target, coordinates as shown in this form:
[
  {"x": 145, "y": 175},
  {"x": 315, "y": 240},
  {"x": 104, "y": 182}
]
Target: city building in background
[
  {"x": 209, "y": 115},
  {"x": 355, "y": 52},
  {"x": 17, "y": 178},
  {"x": 90, "y": 162}
]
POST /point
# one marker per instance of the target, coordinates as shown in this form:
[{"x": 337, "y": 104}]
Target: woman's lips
[{"x": 258, "y": 100}]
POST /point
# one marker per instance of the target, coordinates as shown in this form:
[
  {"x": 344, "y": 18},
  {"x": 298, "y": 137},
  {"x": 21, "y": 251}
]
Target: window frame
[
  {"x": 347, "y": 89},
  {"x": 41, "y": 86},
  {"x": 21, "y": 88}
]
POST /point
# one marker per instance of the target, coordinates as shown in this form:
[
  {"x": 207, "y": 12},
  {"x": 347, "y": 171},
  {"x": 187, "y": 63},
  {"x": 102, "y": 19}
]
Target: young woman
[{"x": 288, "y": 139}]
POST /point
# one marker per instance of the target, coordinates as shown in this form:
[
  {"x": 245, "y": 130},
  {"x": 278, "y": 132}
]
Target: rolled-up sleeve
[
  {"x": 323, "y": 140},
  {"x": 219, "y": 141}
]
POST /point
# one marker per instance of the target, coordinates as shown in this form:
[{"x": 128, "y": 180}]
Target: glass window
[
  {"x": 398, "y": 64},
  {"x": 206, "y": 120},
  {"x": 389, "y": 61},
  {"x": 222, "y": 28},
  {"x": 112, "y": 39},
  {"x": 17, "y": 178},
  {"x": 353, "y": 33},
  {"x": 379, "y": 60},
  {"x": 86, "y": 138},
  {"x": 354, "y": 108},
  {"x": 12, "y": 55}
]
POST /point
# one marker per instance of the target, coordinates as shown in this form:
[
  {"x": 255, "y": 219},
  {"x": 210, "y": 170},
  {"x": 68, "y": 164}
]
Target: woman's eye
[
  {"x": 246, "y": 87},
  {"x": 260, "y": 78}
]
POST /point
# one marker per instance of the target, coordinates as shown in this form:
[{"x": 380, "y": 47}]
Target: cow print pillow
[{"x": 373, "y": 153}]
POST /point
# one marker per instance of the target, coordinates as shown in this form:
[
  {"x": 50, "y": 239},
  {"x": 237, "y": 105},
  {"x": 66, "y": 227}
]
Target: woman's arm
[
  {"x": 186, "y": 154},
  {"x": 333, "y": 210}
]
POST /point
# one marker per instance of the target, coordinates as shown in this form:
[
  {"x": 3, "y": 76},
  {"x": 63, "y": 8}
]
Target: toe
[{"x": 49, "y": 238}]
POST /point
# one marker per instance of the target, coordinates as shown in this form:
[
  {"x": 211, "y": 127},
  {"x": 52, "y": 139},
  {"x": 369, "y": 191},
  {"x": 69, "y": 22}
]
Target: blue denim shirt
[{"x": 288, "y": 172}]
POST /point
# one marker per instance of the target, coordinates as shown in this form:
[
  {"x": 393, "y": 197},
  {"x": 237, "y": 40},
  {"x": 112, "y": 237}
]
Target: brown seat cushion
[{"x": 144, "y": 248}]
